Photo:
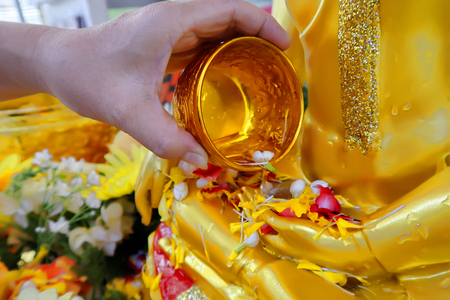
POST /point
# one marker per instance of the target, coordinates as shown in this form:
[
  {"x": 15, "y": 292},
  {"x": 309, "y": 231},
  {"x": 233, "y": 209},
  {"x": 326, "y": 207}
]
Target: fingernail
[
  {"x": 196, "y": 160},
  {"x": 187, "y": 168}
]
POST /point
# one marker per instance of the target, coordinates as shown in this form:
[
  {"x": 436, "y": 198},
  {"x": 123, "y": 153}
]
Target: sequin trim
[
  {"x": 359, "y": 50},
  {"x": 194, "y": 293}
]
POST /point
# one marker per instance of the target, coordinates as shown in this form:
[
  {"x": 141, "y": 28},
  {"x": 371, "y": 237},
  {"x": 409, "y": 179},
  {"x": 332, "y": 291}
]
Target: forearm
[{"x": 22, "y": 59}]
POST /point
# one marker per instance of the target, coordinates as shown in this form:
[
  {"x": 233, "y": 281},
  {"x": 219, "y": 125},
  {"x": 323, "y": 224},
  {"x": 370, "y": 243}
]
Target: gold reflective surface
[
  {"x": 240, "y": 97},
  {"x": 40, "y": 121}
]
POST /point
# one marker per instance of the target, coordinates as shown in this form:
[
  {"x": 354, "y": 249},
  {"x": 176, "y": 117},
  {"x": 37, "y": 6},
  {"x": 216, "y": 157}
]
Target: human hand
[{"x": 113, "y": 72}]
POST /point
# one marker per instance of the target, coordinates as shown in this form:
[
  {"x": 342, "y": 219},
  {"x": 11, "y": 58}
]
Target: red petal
[
  {"x": 216, "y": 189},
  {"x": 212, "y": 171},
  {"x": 173, "y": 281},
  {"x": 267, "y": 229},
  {"x": 271, "y": 176},
  {"x": 327, "y": 203},
  {"x": 324, "y": 190},
  {"x": 287, "y": 213}
]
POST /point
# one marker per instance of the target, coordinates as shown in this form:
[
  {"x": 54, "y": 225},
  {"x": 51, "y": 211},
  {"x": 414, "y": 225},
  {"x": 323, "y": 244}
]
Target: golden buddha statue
[{"x": 376, "y": 130}]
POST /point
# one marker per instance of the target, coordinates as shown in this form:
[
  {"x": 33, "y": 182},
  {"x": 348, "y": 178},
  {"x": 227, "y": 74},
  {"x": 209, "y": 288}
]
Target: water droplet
[
  {"x": 387, "y": 94},
  {"x": 429, "y": 53},
  {"x": 407, "y": 106},
  {"x": 445, "y": 283},
  {"x": 411, "y": 217},
  {"x": 366, "y": 265},
  {"x": 423, "y": 230},
  {"x": 394, "y": 110},
  {"x": 343, "y": 165},
  {"x": 403, "y": 238}
]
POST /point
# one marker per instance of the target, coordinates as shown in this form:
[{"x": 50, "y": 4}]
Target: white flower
[
  {"x": 57, "y": 209},
  {"x": 42, "y": 159},
  {"x": 62, "y": 226},
  {"x": 19, "y": 209},
  {"x": 71, "y": 165},
  {"x": 109, "y": 249},
  {"x": 180, "y": 190},
  {"x": 314, "y": 185},
  {"x": 266, "y": 187},
  {"x": 22, "y": 220},
  {"x": 80, "y": 236},
  {"x": 94, "y": 179},
  {"x": 39, "y": 229},
  {"x": 297, "y": 188},
  {"x": 8, "y": 205},
  {"x": 32, "y": 293},
  {"x": 76, "y": 182},
  {"x": 112, "y": 216},
  {"x": 232, "y": 172},
  {"x": 252, "y": 241},
  {"x": 92, "y": 201},
  {"x": 202, "y": 182},
  {"x": 261, "y": 157},
  {"x": 76, "y": 202},
  {"x": 61, "y": 189},
  {"x": 187, "y": 168}
]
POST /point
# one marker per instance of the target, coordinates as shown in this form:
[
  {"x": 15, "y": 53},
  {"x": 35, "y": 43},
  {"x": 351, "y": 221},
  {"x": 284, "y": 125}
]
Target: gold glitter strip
[
  {"x": 359, "y": 49},
  {"x": 194, "y": 293}
]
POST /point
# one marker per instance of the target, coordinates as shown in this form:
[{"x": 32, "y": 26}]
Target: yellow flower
[
  {"x": 10, "y": 165},
  {"x": 120, "y": 174},
  {"x": 130, "y": 289}
]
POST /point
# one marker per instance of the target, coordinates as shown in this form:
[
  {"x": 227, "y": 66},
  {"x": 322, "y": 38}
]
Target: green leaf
[
  {"x": 113, "y": 295},
  {"x": 92, "y": 265},
  {"x": 269, "y": 167}
]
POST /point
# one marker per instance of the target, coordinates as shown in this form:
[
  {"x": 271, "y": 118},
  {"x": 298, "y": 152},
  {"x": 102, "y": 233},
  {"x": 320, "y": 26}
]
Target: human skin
[{"x": 113, "y": 72}]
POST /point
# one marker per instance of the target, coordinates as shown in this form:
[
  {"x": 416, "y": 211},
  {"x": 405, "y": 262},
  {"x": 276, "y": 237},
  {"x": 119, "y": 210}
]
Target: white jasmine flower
[
  {"x": 76, "y": 202},
  {"x": 92, "y": 201},
  {"x": 93, "y": 179},
  {"x": 62, "y": 226},
  {"x": 233, "y": 173},
  {"x": 76, "y": 182},
  {"x": 180, "y": 190},
  {"x": 266, "y": 187},
  {"x": 202, "y": 182},
  {"x": 61, "y": 189},
  {"x": 314, "y": 185},
  {"x": 261, "y": 157},
  {"x": 92, "y": 213},
  {"x": 297, "y": 188},
  {"x": 42, "y": 159},
  {"x": 252, "y": 241},
  {"x": 187, "y": 168},
  {"x": 71, "y": 165}
]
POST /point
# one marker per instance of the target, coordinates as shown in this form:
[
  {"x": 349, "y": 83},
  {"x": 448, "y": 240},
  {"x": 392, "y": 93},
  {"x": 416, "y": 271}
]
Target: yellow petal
[
  {"x": 155, "y": 283},
  {"x": 177, "y": 175},
  {"x": 253, "y": 228},
  {"x": 307, "y": 265},
  {"x": 337, "y": 278}
]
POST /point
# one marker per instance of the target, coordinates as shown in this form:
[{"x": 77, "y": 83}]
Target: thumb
[{"x": 157, "y": 130}]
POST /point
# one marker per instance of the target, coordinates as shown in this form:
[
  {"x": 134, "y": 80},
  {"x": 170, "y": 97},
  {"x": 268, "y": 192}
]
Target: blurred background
[{"x": 74, "y": 14}]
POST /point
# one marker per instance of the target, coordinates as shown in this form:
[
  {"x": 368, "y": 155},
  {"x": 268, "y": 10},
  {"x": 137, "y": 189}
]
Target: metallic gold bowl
[
  {"x": 239, "y": 97},
  {"x": 40, "y": 121}
]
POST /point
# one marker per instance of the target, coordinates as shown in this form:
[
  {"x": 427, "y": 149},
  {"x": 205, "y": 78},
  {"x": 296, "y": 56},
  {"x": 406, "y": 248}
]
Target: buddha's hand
[{"x": 113, "y": 72}]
